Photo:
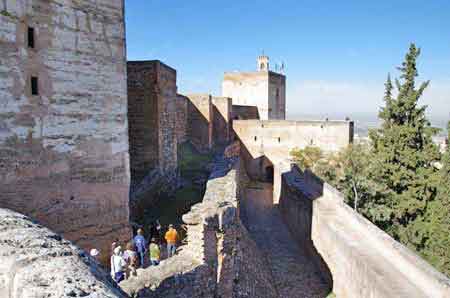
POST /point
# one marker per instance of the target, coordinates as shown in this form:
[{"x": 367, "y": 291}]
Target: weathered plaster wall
[
  {"x": 200, "y": 120},
  {"x": 270, "y": 142},
  {"x": 66, "y": 148},
  {"x": 152, "y": 113},
  {"x": 35, "y": 262},
  {"x": 363, "y": 260},
  {"x": 248, "y": 89},
  {"x": 221, "y": 119}
]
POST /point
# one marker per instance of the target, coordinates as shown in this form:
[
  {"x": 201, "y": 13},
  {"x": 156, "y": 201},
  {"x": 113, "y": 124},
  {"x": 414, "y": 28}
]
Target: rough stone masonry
[
  {"x": 63, "y": 116},
  {"x": 35, "y": 262},
  {"x": 152, "y": 114}
]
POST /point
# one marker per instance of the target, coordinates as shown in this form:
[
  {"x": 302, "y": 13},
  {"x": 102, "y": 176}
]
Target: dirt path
[{"x": 293, "y": 273}]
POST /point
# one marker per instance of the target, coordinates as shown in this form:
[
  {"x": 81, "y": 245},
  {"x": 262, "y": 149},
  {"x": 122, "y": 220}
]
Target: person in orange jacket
[{"x": 171, "y": 239}]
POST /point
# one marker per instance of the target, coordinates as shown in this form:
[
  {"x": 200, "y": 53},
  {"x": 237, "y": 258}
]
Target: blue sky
[{"x": 337, "y": 53}]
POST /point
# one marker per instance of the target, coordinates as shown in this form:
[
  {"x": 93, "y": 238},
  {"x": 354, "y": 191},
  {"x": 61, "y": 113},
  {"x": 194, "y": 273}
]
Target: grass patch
[
  {"x": 170, "y": 209},
  {"x": 190, "y": 160}
]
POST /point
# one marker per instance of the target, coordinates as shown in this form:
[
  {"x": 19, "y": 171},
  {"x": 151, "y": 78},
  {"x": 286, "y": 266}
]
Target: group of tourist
[{"x": 124, "y": 263}]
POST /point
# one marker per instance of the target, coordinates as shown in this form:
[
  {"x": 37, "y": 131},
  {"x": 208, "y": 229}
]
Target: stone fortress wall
[
  {"x": 358, "y": 258},
  {"x": 63, "y": 117},
  {"x": 222, "y": 110},
  {"x": 200, "y": 120},
  {"x": 248, "y": 89},
  {"x": 152, "y": 118},
  {"x": 264, "y": 89},
  {"x": 65, "y": 149},
  {"x": 267, "y": 144},
  {"x": 181, "y": 121},
  {"x": 277, "y": 96}
]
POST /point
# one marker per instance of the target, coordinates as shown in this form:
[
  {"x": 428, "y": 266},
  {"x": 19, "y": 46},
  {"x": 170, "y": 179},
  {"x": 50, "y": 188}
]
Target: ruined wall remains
[
  {"x": 222, "y": 108},
  {"x": 35, "y": 262},
  {"x": 219, "y": 259},
  {"x": 152, "y": 113},
  {"x": 63, "y": 117},
  {"x": 359, "y": 259},
  {"x": 200, "y": 120},
  {"x": 266, "y": 143}
]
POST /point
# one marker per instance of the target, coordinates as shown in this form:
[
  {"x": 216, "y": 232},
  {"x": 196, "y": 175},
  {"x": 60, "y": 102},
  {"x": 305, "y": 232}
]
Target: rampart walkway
[{"x": 293, "y": 273}]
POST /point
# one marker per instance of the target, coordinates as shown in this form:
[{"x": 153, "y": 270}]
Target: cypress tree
[
  {"x": 437, "y": 250},
  {"x": 403, "y": 157}
]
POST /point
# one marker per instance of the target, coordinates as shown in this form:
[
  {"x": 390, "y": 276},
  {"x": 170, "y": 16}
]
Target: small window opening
[
  {"x": 34, "y": 86},
  {"x": 31, "y": 37}
]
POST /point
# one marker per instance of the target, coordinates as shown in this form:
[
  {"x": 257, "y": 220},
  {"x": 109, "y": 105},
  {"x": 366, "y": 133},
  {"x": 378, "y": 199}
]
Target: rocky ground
[
  {"x": 294, "y": 275},
  {"x": 37, "y": 263}
]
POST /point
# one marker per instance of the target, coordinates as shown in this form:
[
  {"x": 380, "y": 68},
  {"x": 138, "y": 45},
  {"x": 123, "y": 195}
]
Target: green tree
[
  {"x": 437, "y": 219},
  {"x": 306, "y": 158},
  {"x": 403, "y": 157},
  {"x": 346, "y": 170},
  {"x": 356, "y": 184}
]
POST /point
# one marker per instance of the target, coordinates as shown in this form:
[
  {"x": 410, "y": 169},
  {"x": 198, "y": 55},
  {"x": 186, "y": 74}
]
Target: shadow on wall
[
  {"x": 259, "y": 169},
  {"x": 242, "y": 113},
  {"x": 199, "y": 121},
  {"x": 297, "y": 210}
]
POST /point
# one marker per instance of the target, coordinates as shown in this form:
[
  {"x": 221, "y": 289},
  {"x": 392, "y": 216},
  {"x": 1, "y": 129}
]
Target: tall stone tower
[
  {"x": 63, "y": 120},
  {"x": 263, "y": 88}
]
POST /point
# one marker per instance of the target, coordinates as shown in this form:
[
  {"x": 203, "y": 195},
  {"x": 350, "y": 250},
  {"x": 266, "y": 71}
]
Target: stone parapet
[{"x": 358, "y": 258}]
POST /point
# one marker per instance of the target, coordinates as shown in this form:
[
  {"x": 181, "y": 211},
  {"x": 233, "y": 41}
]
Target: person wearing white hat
[
  {"x": 94, "y": 253},
  {"x": 118, "y": 265}
]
